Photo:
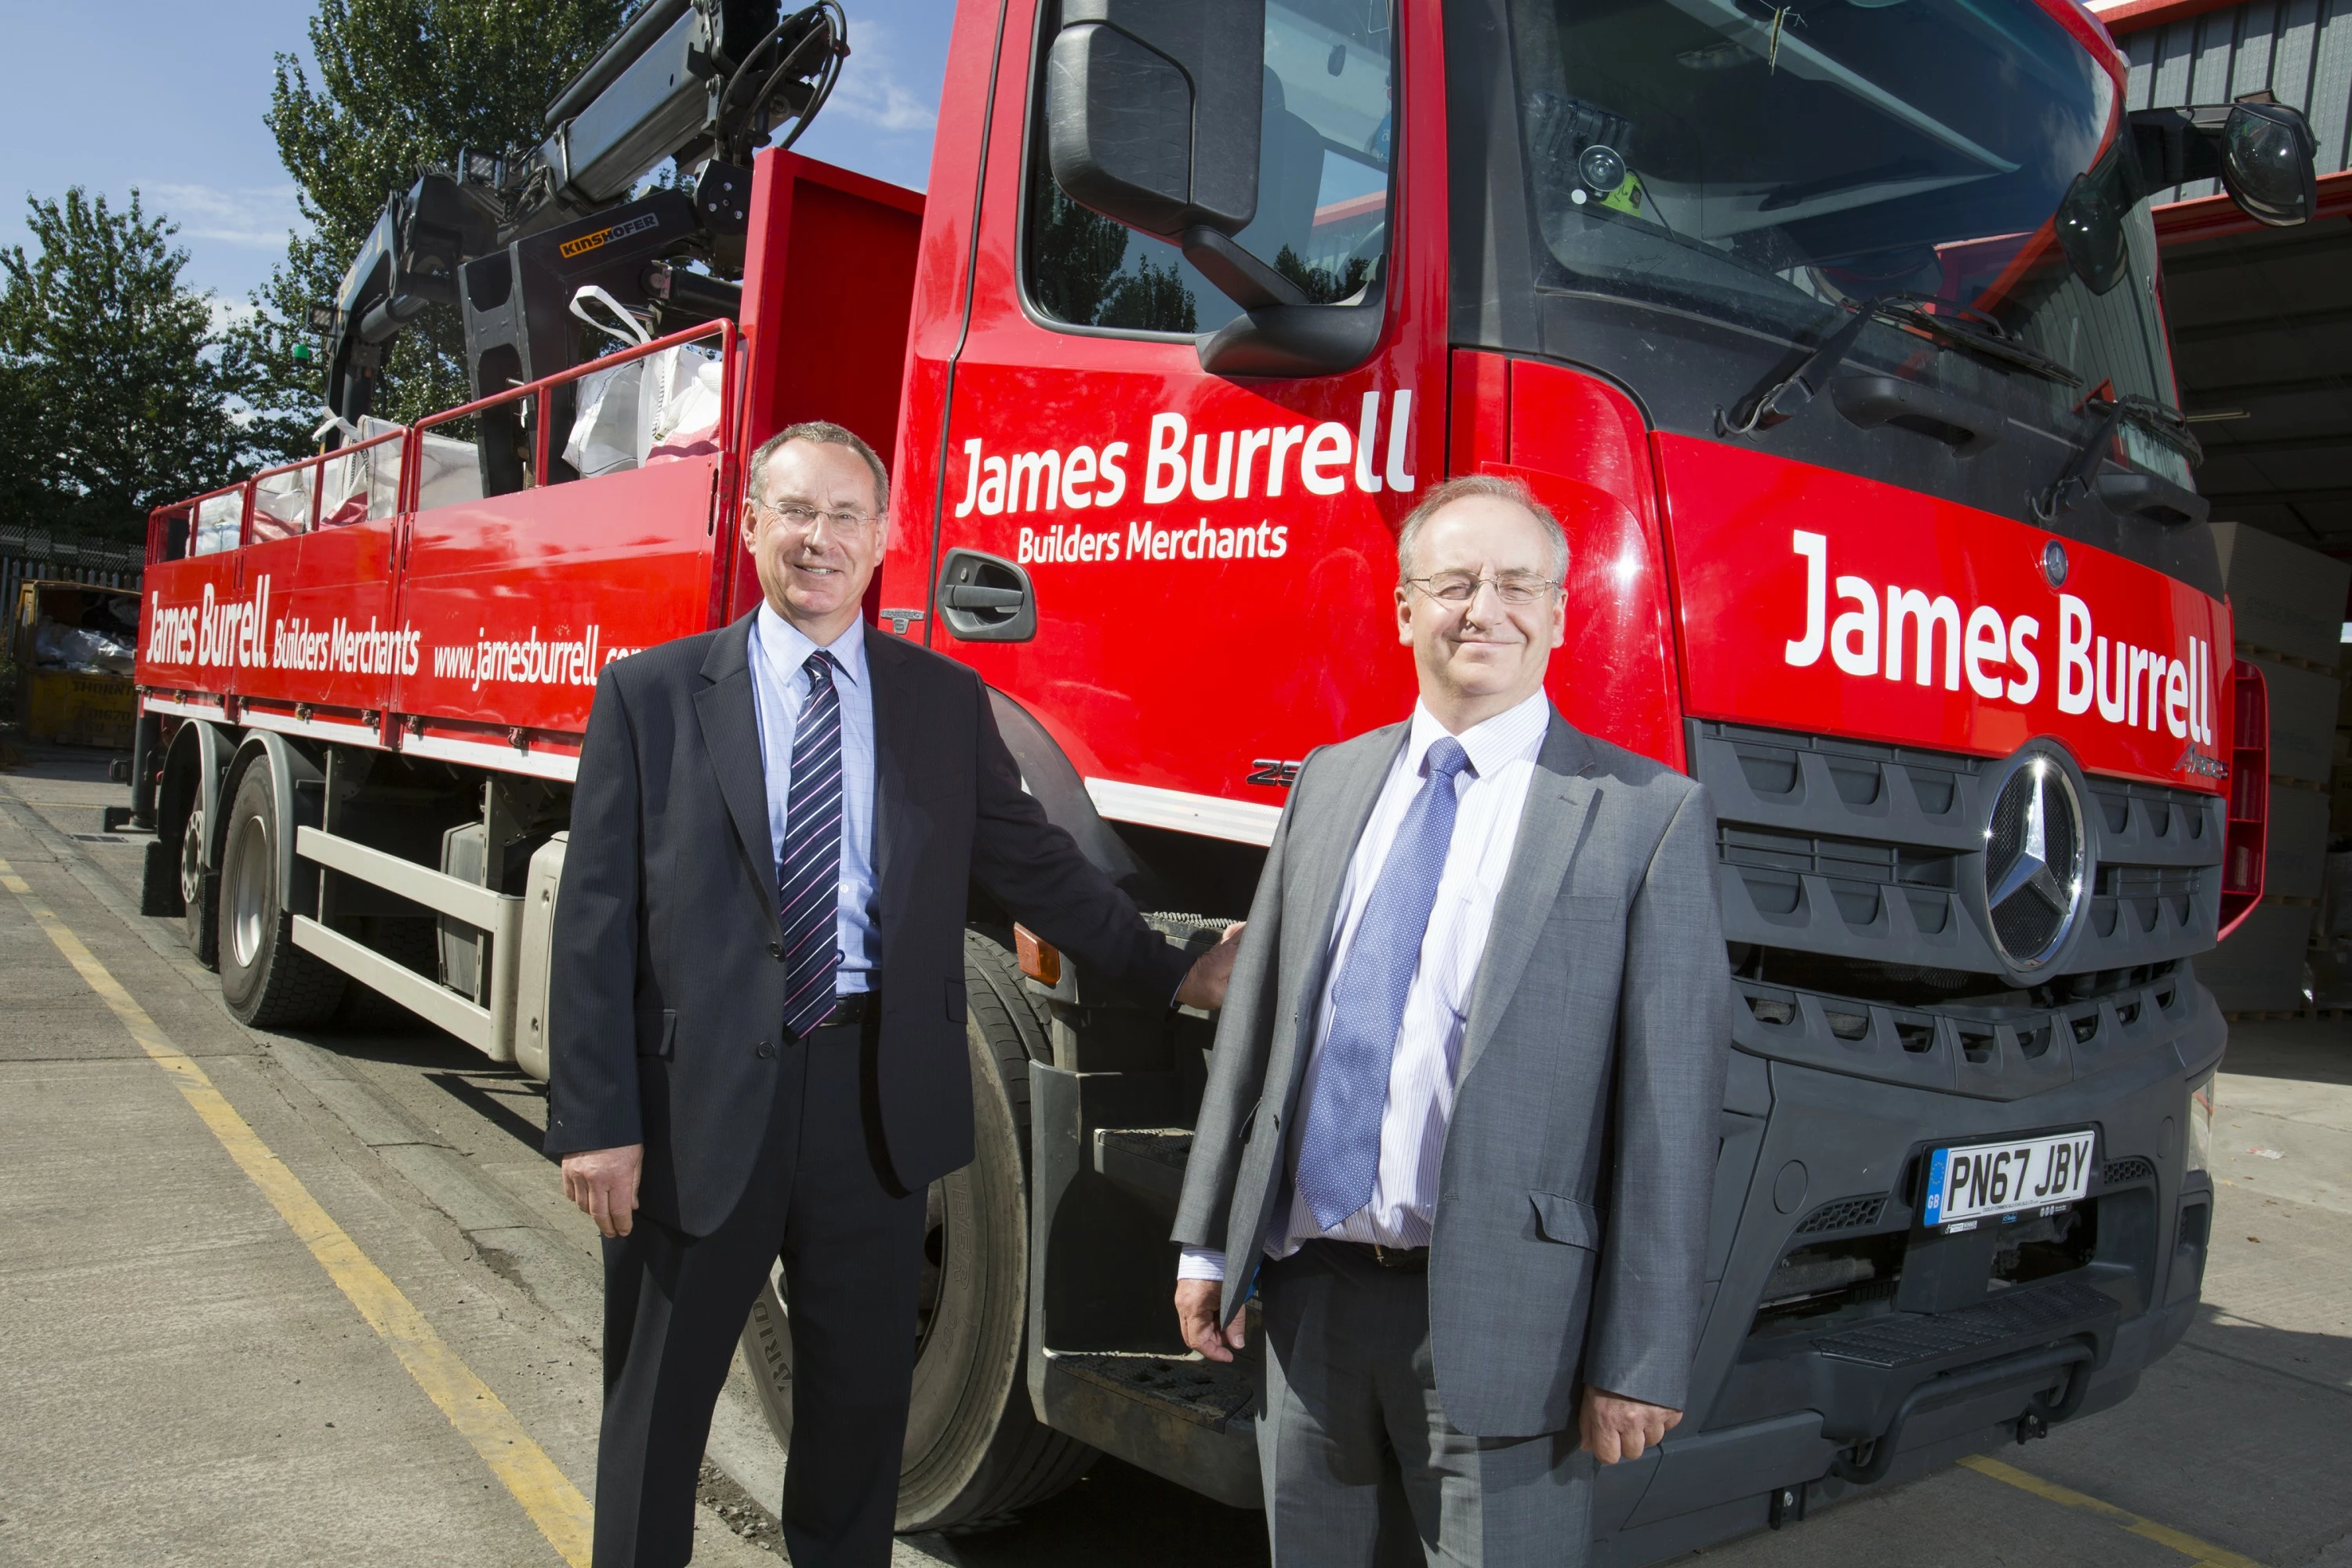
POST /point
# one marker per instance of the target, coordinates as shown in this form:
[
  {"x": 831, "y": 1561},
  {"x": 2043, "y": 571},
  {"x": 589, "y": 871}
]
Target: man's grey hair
[
  {"x": 824, "y": 432},
  {"x": 1500, "y": 489}
]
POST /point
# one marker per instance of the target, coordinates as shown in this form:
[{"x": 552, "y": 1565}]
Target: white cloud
[
  {"x": 227, "y": 313},
  {"x": 259, "y": 215},
  {"x": 870, "y": 92}
]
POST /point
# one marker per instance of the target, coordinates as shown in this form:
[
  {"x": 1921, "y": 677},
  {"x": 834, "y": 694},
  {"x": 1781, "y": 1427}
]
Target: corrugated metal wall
[
  {"x": 2299, "y": 49},
  {"x": 35, "y": 552}
]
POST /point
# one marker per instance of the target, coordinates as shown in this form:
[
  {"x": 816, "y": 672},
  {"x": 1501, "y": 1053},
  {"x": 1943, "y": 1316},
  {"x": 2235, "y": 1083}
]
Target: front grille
[
  {"x": 1903, "y": 1339},
  {"x": 1862, "y": 854},
  {"x": 1847, "y": 1214},
  {"x": 2124, "y": 1173}
]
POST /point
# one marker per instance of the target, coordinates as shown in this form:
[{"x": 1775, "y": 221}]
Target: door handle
[
  {"x": 986, "y": 598},
  {"x": 965, "y": 597},
  {"x": 1870, "y": 400}
]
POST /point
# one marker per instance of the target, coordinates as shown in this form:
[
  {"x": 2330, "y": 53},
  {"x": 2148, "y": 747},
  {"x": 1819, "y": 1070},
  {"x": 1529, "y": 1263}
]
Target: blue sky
[{"x": 169, "y": 99}]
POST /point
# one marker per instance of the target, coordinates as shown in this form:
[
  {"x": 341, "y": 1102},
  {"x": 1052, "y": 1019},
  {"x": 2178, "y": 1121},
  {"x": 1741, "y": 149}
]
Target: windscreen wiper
[
  {"x": 1786, "y": 399},
  {"x": 2075, "y": 482}
]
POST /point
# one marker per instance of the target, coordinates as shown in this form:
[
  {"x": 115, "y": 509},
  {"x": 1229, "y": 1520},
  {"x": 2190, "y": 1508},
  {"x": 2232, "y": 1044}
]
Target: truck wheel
[
  {"x": 975, "y": 1450},
  {"x": 199, "y": 893},
  {"x": 266, "y": 981}
]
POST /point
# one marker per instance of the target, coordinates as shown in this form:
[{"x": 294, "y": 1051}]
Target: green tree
[
  {"x": 115, "y": 394},
  {"x": 401, "y": 86}
]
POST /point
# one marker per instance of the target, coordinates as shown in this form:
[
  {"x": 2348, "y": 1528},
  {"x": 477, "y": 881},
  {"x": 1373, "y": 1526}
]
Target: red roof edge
[
  {"x": 2210, "y": 218},
  {"x": 2138, "y": 16}
]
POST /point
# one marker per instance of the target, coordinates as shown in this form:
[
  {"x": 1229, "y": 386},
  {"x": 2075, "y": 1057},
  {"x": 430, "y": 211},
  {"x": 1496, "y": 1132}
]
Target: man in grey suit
[{"x": 1459, "y": 1132}]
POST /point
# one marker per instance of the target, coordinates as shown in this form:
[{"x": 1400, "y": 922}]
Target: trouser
[
  {"x": 820, "y": 1198},
  {"x": 1360, "y": 1465}
]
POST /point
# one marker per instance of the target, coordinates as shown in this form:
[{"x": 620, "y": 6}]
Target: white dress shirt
[
  {"x": 781, "y": 690},
  {"x": 1491, "y": 795}
]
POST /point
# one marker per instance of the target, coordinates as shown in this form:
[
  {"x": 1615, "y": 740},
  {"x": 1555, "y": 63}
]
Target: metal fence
[
  {"x": 2300, "y": 51},
  {"x": 36, "y": 552}
]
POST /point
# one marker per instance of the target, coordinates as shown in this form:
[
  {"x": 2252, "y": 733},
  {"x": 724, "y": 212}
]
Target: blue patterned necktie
[
  {"x": 808, "y": 876},
  {"x": 1339, "y": 1147}
]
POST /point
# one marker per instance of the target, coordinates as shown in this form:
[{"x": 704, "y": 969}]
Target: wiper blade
[
  {"x": 1975, "y": 330},
  {"x": 1785, "y": 400},
  {"x": 2075, "y": 481}
]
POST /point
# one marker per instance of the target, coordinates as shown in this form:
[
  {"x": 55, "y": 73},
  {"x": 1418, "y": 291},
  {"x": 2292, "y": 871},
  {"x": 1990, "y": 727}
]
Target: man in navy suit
[{"x": 759, "y": 1046}]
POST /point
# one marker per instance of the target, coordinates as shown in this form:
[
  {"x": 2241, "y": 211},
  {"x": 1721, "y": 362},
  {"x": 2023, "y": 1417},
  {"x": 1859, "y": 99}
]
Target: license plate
[{"x": 1971, "y": 1182}]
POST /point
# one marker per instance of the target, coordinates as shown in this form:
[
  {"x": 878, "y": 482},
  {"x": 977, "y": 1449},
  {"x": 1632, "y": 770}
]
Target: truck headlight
[{"x": 2201, "y": 1124}]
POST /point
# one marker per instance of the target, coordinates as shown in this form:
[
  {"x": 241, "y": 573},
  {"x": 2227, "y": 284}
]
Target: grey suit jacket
[{"x": 1571, "y": 1217}]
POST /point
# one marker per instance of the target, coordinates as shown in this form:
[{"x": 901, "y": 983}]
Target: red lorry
[{"x": 1201, "y": 296}]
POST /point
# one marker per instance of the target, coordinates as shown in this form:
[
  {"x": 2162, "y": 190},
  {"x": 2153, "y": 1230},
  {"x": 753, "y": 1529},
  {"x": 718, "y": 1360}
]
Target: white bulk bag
[
  {"x": 358, "y": 486},
  {"x": 449, "y": 471},
  {"x": 281, "y": 504},
  {"x": 608, "y": 416},
  {"x": 219, "y": 520},
  {"x": 678, "y": 408},
  {"x": 604, "y": 428}
]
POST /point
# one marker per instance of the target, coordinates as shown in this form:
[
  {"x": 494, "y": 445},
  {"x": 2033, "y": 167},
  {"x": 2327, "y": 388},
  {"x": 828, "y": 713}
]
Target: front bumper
[{"x": 1797, "y": 1409}]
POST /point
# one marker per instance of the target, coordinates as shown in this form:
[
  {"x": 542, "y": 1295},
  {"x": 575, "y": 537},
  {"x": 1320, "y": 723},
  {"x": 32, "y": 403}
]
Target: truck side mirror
[
  {"x": 2263, "y": 153},
  {"x": 2268, "y": 164},
  {"x": 1153, "y": 112}
]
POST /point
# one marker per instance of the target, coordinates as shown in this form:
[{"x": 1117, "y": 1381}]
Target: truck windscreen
[{"x": 1774, "y": 166}]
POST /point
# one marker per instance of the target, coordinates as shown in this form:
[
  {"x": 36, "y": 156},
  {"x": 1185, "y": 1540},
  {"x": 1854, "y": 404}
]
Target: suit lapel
[
  {"x": 1551, "y": 825},
  {"x": 896, "y": 743},
  {"x": 730, "y": 734},
  {"x": 1323, "y": 872}
]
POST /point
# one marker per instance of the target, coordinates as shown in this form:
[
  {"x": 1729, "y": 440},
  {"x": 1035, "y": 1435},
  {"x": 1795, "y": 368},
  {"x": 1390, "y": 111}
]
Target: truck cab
[{"x": 1832, "y": 334}]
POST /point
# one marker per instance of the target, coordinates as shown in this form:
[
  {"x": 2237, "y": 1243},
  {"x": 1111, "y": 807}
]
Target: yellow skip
[
  {"x": 2204, "y": 1554},
  {"x": 551, "y": 1499}
]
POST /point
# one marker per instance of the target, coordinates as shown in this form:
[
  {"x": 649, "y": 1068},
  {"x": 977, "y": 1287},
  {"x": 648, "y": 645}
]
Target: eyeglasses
[
  {"x": 800, "y": 517},
  {"x": 1457, "y": 589}
]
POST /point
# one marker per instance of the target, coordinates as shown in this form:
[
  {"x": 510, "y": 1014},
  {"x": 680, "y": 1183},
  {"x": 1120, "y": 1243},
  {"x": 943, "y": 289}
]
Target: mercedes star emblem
[{"x": 2035, "y": 870}]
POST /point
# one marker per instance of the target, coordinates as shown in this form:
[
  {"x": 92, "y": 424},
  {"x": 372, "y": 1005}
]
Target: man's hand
[
  {"x": 1205, "y": 986},
  {"x": 1197, "y": 1305},
  {"x": 603, "y": 1182},
  {"x": 1618, "y": 1428}
]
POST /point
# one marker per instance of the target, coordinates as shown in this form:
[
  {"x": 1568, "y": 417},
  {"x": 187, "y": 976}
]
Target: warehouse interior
[{"x": 2261, "y": 331}]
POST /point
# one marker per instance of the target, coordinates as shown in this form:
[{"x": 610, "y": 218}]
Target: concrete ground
[{"x": 187, "y": 1384}]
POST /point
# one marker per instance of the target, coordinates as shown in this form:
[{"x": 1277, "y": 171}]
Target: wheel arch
[
  {"x": 1053, "y": 781},
  {"x": 194, "y": 765},
  {"x": 287, "y": 767}
]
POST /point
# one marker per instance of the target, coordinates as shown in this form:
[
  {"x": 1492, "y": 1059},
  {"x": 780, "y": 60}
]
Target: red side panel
[
  {"x": 516, "y": 602},
  {"x": 1582, "y": 447},
  {"x": 826, "y": 287},
  {"x": 2245, "y": 842},
  {"x": 329, "y": 601},
  {"x": 1817, "y": 601}
]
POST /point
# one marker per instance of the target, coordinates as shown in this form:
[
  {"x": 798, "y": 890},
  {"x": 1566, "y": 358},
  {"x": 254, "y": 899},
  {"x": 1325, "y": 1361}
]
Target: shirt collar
[
  {"x": 786, "y": 648},
  {"x": 1513, "y": 735}
]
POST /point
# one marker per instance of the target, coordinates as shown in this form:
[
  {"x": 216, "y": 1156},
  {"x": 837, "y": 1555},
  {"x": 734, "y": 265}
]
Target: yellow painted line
[
  {"x": 2203, "y": 1554},
  {"x": 551, "y": 1499}
]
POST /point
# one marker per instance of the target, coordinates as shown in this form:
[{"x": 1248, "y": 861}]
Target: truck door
[{"x": 1155, "y": 520}]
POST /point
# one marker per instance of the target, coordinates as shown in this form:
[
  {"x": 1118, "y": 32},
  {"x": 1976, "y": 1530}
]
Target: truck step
[
  {"x": 1179, "y": 1416},
  {"x": 1205, "y": 1392},
  {"x": 1907, "y": 1338},
  {"x": 1148, "y": 1162}
]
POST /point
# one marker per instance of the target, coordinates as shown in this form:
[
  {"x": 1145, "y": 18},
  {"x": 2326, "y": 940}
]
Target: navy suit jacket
[{"x": 666, "y": 1023}]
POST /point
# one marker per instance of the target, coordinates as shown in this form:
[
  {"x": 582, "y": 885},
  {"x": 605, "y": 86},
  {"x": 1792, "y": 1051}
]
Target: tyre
[
  {"x": 975, "y": 1450},
  {"x": 266, "y": 981},
  {"x": 199, "y": 893}
]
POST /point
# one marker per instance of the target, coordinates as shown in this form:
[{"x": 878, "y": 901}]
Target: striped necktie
[
  {"x": 1340, "y": 1142},
  {"x": 808, "y": 875}
]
